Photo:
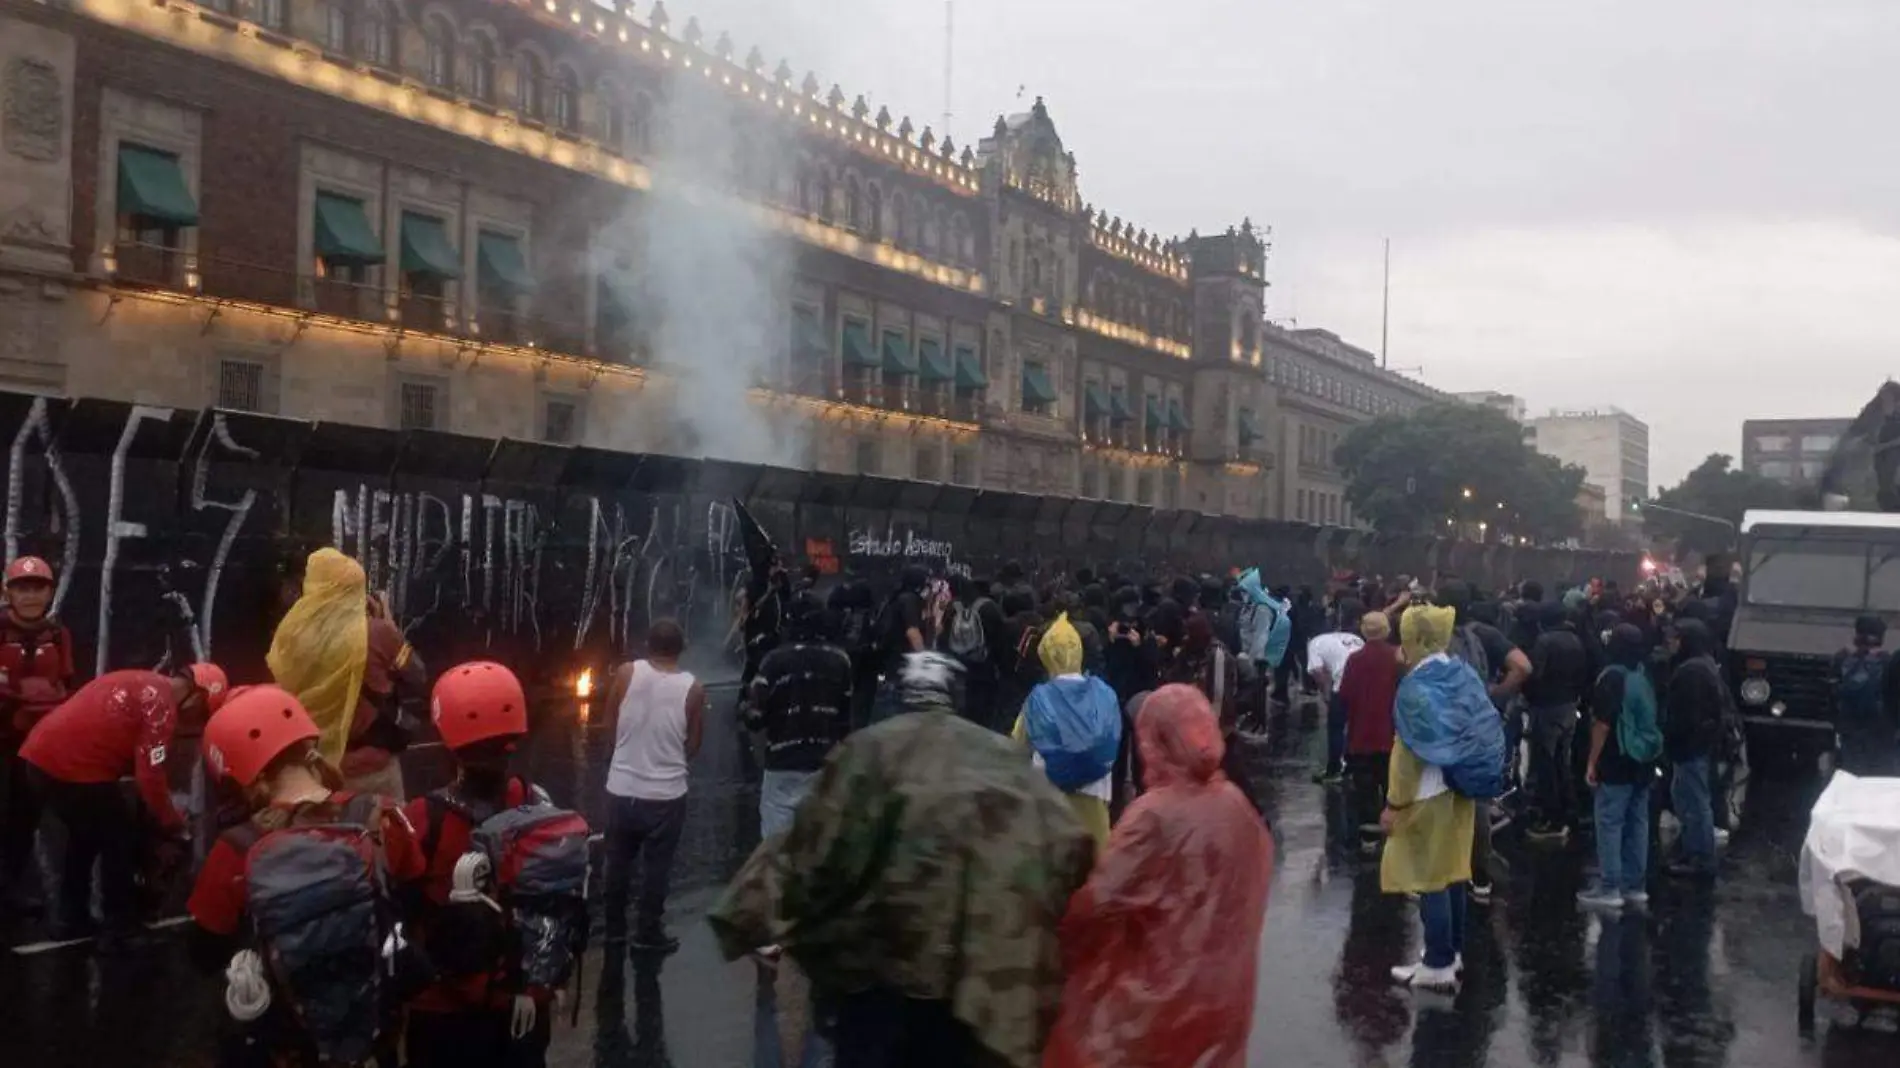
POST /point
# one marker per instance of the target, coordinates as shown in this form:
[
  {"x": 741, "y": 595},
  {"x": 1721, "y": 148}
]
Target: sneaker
[
  {"x": 1418, "y": 976},
  {"x": 1721, "y": 836},
  {"x": 1600, "y": 899},
  {"x": 659, "y": 944},
  {"x": 1458, "y": 964},
  {"x": 1480, "y": 893},
  {"x": 1636, "y": 898},
  {"x": 1547, "y": 832},
  {"x": 1329, "y": 777}
]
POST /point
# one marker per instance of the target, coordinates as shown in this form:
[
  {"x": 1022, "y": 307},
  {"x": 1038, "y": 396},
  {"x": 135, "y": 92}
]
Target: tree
[
  {"x": 1720, "y": 493},
  {"x": 1458, "y": 467}
]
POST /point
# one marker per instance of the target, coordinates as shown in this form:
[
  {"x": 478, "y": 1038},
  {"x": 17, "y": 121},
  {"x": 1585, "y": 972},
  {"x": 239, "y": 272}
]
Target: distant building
[
  {"x": 1610, "y": 444},
  {"x": 1592, "y": 506},
  {"x": 1509, "y": 403},
  {"x": 1791, "y": 451}
]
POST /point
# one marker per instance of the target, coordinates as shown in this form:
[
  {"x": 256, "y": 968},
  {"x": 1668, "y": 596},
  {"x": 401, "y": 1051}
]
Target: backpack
[
  {"x": 966, "y": 640},
  {"x": 1636, "y": 732},
  {"x": 1858, "y": 692},
  {"x": 1468, "y": 647},
  {"x": 529, "y": 912},
  {"x": 320, "y": 912},
  {"x": 1445, "y": 717}
]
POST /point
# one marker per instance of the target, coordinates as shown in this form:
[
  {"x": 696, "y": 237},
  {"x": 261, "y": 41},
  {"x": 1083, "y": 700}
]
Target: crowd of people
[{"x": 1001, "y": 823}]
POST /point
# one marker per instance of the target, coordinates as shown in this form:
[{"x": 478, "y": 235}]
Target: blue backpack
[{"x": 1445, "y": 717}]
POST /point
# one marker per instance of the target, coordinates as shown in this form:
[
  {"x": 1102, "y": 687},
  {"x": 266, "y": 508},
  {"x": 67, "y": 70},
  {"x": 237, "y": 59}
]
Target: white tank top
[{"x": 650, "y": 736}]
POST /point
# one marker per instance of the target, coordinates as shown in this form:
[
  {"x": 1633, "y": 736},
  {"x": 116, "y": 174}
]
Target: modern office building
[
  {"x": 1610, "y": 444},
  {"x": 1793, "y": 451}
]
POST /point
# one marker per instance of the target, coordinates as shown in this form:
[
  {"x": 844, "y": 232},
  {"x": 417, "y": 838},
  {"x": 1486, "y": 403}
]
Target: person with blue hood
[
  {"x": 1266, "y": 624},
  {"x": 1073, "y": 724}
]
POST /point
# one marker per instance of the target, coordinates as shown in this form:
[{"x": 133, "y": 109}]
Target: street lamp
[{"x": 1467, "y": 493}]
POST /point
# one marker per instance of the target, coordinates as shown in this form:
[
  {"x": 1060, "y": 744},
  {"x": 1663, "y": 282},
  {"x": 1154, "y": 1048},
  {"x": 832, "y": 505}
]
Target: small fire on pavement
[{"x": 584, "y": 684}]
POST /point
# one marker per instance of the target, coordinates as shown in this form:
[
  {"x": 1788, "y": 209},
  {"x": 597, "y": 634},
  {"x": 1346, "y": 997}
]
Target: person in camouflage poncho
[{"x": 921, "y": 887}]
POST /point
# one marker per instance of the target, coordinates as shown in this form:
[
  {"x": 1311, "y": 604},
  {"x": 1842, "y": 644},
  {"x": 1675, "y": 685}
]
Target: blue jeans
[
  {"x": 1442, "y": 913},
  {"x": 780, "y": 794},
  {"x": 1690, "y": 794},
  {"x": 1623, "y": 837}
]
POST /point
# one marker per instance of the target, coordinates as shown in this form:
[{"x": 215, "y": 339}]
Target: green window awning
[
  {"x": 343, "y": 236},
  {"x": 426, "y": 249},
  {"x": 152, "y": 186},
  {"x": 1177, "y": 419},
  {"x": 934, "y": 363},
  {"x": 1155, "y": 419},
  {"x": 1094, "y": 404},
  {"x": 970, "y": 376},
  {"x": 499, "y": 263},
  {"x": 1249, "y": 429},
  {"x": 1036, "y": 386},
  {"x": 857, "y": 345},
  {"x": 808, "y": 333},
  {"x": 1118, "y": 410},
  {"x": 898, "y": 358}
]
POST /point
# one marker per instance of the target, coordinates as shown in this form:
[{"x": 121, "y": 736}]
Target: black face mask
[{"x": 485, "y": 780}]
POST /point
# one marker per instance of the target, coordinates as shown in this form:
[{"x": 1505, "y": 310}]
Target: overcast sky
[{"x": 1688, "y": 208}]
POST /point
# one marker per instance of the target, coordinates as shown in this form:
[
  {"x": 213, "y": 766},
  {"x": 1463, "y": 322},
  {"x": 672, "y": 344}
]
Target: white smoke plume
[{"x": 715, "y": 274}]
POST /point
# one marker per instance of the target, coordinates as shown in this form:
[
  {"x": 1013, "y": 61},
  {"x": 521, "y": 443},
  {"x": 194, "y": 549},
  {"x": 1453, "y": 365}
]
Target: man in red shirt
[
  {"x": 119, "y": 724},
  {"x": 36, "y": 672}
]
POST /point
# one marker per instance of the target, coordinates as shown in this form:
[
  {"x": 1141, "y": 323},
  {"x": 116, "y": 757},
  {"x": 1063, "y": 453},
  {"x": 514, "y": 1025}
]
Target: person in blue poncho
[
  {"x": 1073, "y": 723},
  {"x": 1266, "y": 627}
]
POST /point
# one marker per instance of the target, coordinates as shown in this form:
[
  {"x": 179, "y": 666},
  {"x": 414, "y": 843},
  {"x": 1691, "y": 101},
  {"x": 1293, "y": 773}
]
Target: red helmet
[
  {"x": 253, "y": 729},
  {"x": 476, "y": 701},
  {"x": 211, "y": 679},
  {"x": 29, "y": 569}
]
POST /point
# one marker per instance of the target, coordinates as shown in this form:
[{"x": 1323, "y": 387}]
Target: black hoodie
[{"x": 1694, "y": 703}]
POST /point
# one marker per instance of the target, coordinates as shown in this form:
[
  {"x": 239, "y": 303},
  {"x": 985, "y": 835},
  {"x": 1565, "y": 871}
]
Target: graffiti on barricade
[{"x": 181, "y": 533}]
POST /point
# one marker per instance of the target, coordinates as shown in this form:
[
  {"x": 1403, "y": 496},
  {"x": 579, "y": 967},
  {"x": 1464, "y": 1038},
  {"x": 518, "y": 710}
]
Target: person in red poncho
[{"x": 1161, "y": 945}]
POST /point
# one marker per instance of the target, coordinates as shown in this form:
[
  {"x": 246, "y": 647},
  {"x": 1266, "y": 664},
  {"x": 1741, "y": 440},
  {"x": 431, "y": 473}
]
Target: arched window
[
  {"x": 820, "y": 204},
  {"x": 567, "y": 100},
  {"x": 900, "y": 220},
  {"x": 874, "y": 211},
  {"x": 379, "y": 35},
  {"x": 271, "y": 14},
  {"x": 933, "y": 234},
  {"x": 953, "y": 240},
  {"x": 440, "y": 37},
  {"x": 481, "y": 68},
  {"x": 915, "y": 236},
  {"x": 640, "y": 125},
  {"x": 853, "y": 203},
  {"x": 1035, "y": 276},
  {"x": 613, "y": 124},
  {"x": 528, "y": 85},
  {"x": 336, "y": 27}
]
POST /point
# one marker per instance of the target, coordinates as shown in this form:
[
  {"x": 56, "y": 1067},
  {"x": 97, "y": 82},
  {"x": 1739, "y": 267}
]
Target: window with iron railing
[
  {"x": 241, "y": 385},
  {"x": 558, "y": 422},
  {"x": 419, "y": 406}
]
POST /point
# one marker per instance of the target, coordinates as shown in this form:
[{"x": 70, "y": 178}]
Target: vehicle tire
[{"x": 1804, "y": 1004}]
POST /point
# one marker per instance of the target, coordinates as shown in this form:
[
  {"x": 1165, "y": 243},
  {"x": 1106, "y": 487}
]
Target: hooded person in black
[
  {"x": 900, "y": 632},
  {"x": 1695, "y": 702},
  {"x": 1559, "y": 683}
]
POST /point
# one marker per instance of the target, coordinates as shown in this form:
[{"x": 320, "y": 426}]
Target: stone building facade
[{"x": 578, "y": 222}]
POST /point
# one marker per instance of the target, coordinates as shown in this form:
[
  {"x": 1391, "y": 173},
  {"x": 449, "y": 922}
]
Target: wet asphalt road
[{"x": 1705, "y": 978}]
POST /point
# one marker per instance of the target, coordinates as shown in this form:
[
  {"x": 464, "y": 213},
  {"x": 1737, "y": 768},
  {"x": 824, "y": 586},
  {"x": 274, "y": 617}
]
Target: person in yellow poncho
[
  {"x": 1073, "y": 724},
  {"x": 1429, "y": 828},
  {"x": 321, "y": 649}
]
